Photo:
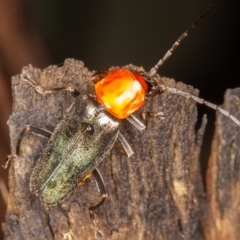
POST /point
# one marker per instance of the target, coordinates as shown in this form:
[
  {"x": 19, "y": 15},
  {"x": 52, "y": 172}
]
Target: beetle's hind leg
[
  {"x": 102, "y": 190},
  {"x": 27, "y": 78},
  {"x": 103, "y": 193},
  {"x": 38, "y": 131}
]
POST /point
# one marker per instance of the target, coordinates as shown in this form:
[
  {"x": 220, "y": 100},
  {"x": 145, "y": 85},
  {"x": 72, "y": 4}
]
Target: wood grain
[{"x": 156, "y": 194}]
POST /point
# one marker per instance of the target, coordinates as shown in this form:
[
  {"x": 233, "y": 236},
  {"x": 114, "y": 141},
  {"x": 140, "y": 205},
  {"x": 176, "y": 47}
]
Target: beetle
[{"x": 90, "y": 128}]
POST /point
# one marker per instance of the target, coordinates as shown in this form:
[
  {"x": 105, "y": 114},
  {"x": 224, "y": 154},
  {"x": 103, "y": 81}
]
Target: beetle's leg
[
  {"x": 102, "y": 190},
  {"x": 85, "y": 178},
  {"x": 97, "y": 76},
  {"x": 38, "y": 131},
  {"x": 146, "y": 114},
  {"x": 136, "y": 123},
  {"x": 126, "y": 147},
  {"x": 26, "y": 78}
]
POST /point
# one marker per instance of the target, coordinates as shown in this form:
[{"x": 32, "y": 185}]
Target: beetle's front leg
[
  {"x": 27, "y": 78},
  {"x": 38, "y": 131}
]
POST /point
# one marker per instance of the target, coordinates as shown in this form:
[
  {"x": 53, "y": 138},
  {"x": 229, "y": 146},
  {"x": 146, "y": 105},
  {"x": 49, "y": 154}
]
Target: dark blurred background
[{"x": 105, "y": 33}]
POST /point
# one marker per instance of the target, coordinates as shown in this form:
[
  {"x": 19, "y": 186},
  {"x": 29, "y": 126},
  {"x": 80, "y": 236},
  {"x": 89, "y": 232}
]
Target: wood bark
[
  {"x": 20, "y": 44},
  {"x": 156, "y": 194},
  {"x": 223, "y": 178}
]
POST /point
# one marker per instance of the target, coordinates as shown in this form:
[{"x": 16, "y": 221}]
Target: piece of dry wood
[
  {"x": 20, "y": 44},
  {"x": 223, "y": 178},
  {"x": 156, "y": 194}
]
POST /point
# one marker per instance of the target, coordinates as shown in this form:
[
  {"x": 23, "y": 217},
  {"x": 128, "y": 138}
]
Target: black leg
[
  {"x": 38, "y": 131},
  {"x": 103, "y": 193},
  {"x": 102, "y": 190}
]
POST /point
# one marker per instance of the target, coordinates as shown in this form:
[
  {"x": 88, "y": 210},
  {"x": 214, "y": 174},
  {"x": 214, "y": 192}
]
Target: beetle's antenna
[
  {"x": 153, "y": 71},
  {"x": 200, "y": 101}
]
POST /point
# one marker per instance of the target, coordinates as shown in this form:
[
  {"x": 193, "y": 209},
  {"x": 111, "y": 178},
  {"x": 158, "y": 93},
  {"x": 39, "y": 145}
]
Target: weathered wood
[
  {"x": 157, "y": 194},
  {"x": 223, "y": 178}
]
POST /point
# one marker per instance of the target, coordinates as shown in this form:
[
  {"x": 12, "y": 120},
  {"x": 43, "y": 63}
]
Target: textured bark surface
[
  {"x": 156, "y": 194},
  {"x": 223, "y": 178}
]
